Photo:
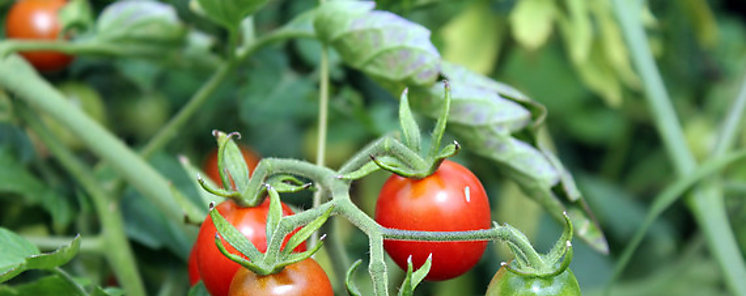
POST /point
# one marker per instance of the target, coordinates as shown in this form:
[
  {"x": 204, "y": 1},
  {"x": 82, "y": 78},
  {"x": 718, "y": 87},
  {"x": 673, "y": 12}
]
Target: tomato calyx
[
  {"x": 406, "y": 157},
  {"x": 552, "y": 264},
  {"x": 277, "y": 257},
  {"x": 236, "y": 177}
]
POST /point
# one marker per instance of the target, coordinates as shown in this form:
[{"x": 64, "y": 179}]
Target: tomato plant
[
  {"x": 506, "y": 282},
  {"x": 305, "y": 278},
  {"x": 210, "y": 165},
  {"x": 38, "y": 20},
  {"x": 451, "y": 199},
  {"x": 215, "y": 269}
]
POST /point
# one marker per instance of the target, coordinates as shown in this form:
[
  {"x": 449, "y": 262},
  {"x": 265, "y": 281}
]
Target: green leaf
[
  {"x": 18, "y": 255},
  {"x": 383, "y": 45},
  {"x": 140, "y": 21},
  {"x": 576, "y": 29},
  {"x": 473, "y": 38},
  {"x": 52, "y": 285},
  {"x": 229, "y": 13},
  {"x": 531, "y": 22},
  {"x": 17, "y": 180},
  {"x": 599, "y": 76}
]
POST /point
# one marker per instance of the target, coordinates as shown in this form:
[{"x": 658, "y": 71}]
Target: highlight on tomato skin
[
  {"x": 210, "y": 165},
  {"x": 305, "y": 278},
  {"x": 216, "y": 270},
  {"x": 451, "y": 199},
  {"x": 38, "y": 20}
]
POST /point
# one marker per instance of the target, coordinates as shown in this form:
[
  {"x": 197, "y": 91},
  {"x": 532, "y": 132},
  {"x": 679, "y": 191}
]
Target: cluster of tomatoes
[{"x": 451, "y": 199}]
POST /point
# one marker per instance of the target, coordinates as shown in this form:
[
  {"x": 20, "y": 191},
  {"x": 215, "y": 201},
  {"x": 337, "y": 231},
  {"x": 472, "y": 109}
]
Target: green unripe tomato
[
  {"x": 144, "y": 115},
  {"x": 88, "y": 100},
  {"x": 508, "y": 283}
]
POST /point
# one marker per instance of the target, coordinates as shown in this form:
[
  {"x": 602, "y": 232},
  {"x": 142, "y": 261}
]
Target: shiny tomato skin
[
  {"x": 435, "y": 203},
  {"x": 305, "y": 278},
  {"x": 217, "y": 270},
  {"x": 37, "y": 20},
  {"x": 192, "y": 267},
  {"x": 210, "y": 166},
  {"x": 506, "y": 283}
]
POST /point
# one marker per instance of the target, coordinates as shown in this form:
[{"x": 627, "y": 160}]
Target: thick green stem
[
  {"x": 18, "y": 77},
  {"x": 705, "y": 202},
  {"x": 114, "y": 244},
  {"x": 10, "y": 46}
]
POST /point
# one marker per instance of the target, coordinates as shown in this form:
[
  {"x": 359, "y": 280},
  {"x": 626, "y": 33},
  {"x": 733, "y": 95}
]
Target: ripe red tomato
[
  {"x": 438, "y": 202},
  {"x": 210, "y": 166},
  {"x": 305, "y": 278},
  {"x": 192, "y": 267},
  {"x": 217, "y": 270},
  {"x": 37, "y": 19}
]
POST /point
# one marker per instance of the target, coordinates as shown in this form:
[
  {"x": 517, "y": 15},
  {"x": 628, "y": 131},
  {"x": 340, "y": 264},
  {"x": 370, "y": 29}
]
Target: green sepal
[
  {"x": 560, "y": 247},
  {"x": 349, "y": 282},
  {"x": 440, "y": 125},
  {"x": 206, "y": 196},
  {"x": 231, "y": 163},
  {"x": 408, "y": 124},
  {"x": 304, "y": 233},
  {"x": 298, "y": 257},
  {"x": 411, "y": 280},
  {"x": 192, "y": 213},
  {"x": 233, "y": 257},
  {"x": 287, "y": 183},
  {"x": 274, "y": 214},
  {"x": 18, "y": 255},
  {"x": 234, "y": 238},
  {"x": 217, "y": 191}
]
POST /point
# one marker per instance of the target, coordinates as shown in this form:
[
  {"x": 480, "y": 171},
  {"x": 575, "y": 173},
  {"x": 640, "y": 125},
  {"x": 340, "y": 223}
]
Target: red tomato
[
  {"x": 210, "y": 166},
  {"x": 436, "y": 203},
  {"x": 37, "y": 19},
  {"x": 192, "y": 267},
  {"x": 217, "y": 270},
  {"x": 305, "y": 278}
]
